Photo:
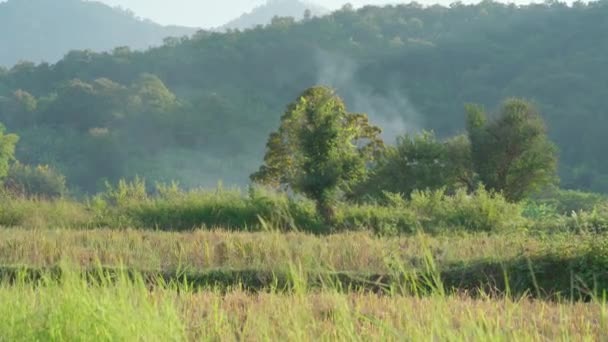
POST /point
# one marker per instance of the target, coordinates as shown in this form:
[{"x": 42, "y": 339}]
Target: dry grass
[
  {"x": 362, "y": 252},
  {"x": 333, "y": 316},
  {"x": 129, "y": 309}
]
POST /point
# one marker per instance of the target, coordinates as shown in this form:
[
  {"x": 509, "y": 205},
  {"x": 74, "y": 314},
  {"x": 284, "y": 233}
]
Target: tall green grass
[
  {"x": 76, "y": 308},
  {"x": 125, "y": 308}
]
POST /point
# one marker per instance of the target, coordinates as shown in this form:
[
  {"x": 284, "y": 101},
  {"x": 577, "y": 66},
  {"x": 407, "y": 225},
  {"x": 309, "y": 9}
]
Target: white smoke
[{"x": 392, "y": 111}]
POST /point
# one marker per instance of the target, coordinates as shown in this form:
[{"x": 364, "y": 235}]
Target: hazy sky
[{"x": 212, "y": 13}]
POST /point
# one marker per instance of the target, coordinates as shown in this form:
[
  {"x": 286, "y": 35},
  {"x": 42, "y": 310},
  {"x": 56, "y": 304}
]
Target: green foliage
[
  {"x": 81, "y": 308},
  {"x": 594, "y": 221},
  {"x": 435, "y": 212},
  {"x": 7, "y": 150},
  {"x": 167, "y": 207},
  {"x": 568, "y": 201},
  {"x": 33, "y": 213},
  {"x": 40, "y": 181},
  {"x": 230, "y": 87},
  {"x": 481, "y": 211},
  {"x": 320, "y": 149},
  {"x": 421, "y": 162},
  {"x": 382, "y": 220},
  {"x": 512, "y": 153},
  {"x": 125, "y": 192}
]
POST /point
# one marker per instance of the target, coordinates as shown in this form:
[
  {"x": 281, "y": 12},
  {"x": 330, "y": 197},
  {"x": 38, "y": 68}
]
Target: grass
[
  {"x": 126, "y": 266},
  {"x": 203, "y": 249},
  {"x": 463, "y": 261},
  {"x": 126, "y": 309}
]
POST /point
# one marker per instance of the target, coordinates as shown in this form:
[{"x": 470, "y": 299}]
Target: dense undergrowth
[{"x": 167, "y": 207}]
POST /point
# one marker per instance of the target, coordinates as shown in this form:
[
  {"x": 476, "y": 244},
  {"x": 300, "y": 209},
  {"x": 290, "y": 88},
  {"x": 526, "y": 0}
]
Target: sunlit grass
[
  {"x": 127, "y": 309},
  {"x": 124, "y": 306},
  {"x": 362, "y": 252}
]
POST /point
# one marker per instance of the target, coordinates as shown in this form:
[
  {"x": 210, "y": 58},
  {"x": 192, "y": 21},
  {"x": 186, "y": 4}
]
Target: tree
[
  {"x": 18, "y": 110},
  {"x": 319, "y": 149},
  {"x": 421, "y": 162},
  {"x": 7, "y": 150},
  {"x": 511, "y": 153}
]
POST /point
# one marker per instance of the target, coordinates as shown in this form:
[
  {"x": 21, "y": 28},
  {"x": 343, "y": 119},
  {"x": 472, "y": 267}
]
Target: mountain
[
  {"x": 206, "y": 112},
  {"x": 262, "y": 15},
  {"x": 44, "y": 30}
]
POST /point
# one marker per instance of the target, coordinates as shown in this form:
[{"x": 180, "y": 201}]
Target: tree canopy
[
  {"x": 511, "y": 153},
  {"x": 7, "y": 150},
  {"x": 320, "y": 149}
]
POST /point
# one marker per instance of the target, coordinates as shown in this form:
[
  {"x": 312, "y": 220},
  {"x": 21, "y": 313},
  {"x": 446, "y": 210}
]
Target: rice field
[
  {"x": 132, "y": 304},
  {"x": 126, "y": 309}
]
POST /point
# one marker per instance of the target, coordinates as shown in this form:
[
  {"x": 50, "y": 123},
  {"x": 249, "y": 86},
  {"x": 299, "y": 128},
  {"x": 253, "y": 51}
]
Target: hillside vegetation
[
  {"x": 264, "y": 14},
  {"x": 199, "y": 109}
]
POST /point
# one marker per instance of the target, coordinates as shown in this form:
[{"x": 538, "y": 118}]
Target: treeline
[
  {"x": 94, "y": 117},
  {"x": 328, "y": 154}
]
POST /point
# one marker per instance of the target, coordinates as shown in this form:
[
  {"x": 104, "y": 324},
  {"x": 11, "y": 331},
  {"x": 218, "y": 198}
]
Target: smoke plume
[{"x": 390, "y": 110}]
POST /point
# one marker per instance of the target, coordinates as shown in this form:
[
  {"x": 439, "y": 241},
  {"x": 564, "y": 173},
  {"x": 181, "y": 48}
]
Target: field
[
  {"x": 127, "y": 265},
  {"x": 128, "y": 310},
  {"x": 106, "y": 284}
]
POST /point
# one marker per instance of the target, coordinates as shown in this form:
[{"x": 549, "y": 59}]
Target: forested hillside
[
  {"x": 42, "y": 30},
  {"x": 200, "y": 109},
  {"x": 263, "y": 15}
]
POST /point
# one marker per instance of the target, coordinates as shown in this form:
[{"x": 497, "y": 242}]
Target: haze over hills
[
  {"x": 42, "y": 30},
  {"x": 263, "y": 15},
  {"x": 200, "y": 109}
]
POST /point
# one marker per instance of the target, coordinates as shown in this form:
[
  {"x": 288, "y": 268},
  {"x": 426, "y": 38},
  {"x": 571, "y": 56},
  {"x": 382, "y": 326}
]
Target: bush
[
  {"x": 17, "y": 211},
  {"x": 41, "y": 181},
  {"x": 480, "y": 211},
  {"x": 595, "y": 221},
  {"x": 434, "y": 212},
  {"x": 174, "y": 209},
  {"x": 379, "y": 219},
  {"x": 171, "y": 208},
  {"x": 568, "y": 201}
]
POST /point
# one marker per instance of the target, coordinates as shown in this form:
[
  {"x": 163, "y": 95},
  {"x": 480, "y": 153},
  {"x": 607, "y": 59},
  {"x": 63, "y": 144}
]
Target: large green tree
[
  {"x": 7, "y": 150},
  {"x": 511, "y": 153},
  {"x": 320, "y": 149}
]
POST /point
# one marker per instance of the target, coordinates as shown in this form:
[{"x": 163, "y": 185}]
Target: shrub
[
  {"x": 41, "y": 181},
  {"x": 539, "y": 211},
  {"x": 433, "y": 212},
  {"x": 171, "y": 208},
  {"x": 594, "y": 221},
  {"x": 379, "y": 219},
  {"x": 17, "y": 211},
  {"x": 125, "y": 192},
  {"x": 568, "y": 201},
  {"x": 479, "y": 211}
]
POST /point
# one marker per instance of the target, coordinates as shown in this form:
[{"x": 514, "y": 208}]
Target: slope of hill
[
  {"x": 218, "y": 95},
  {"x": 262, "y": 15},
  {"x": 43, "y": 30}
]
